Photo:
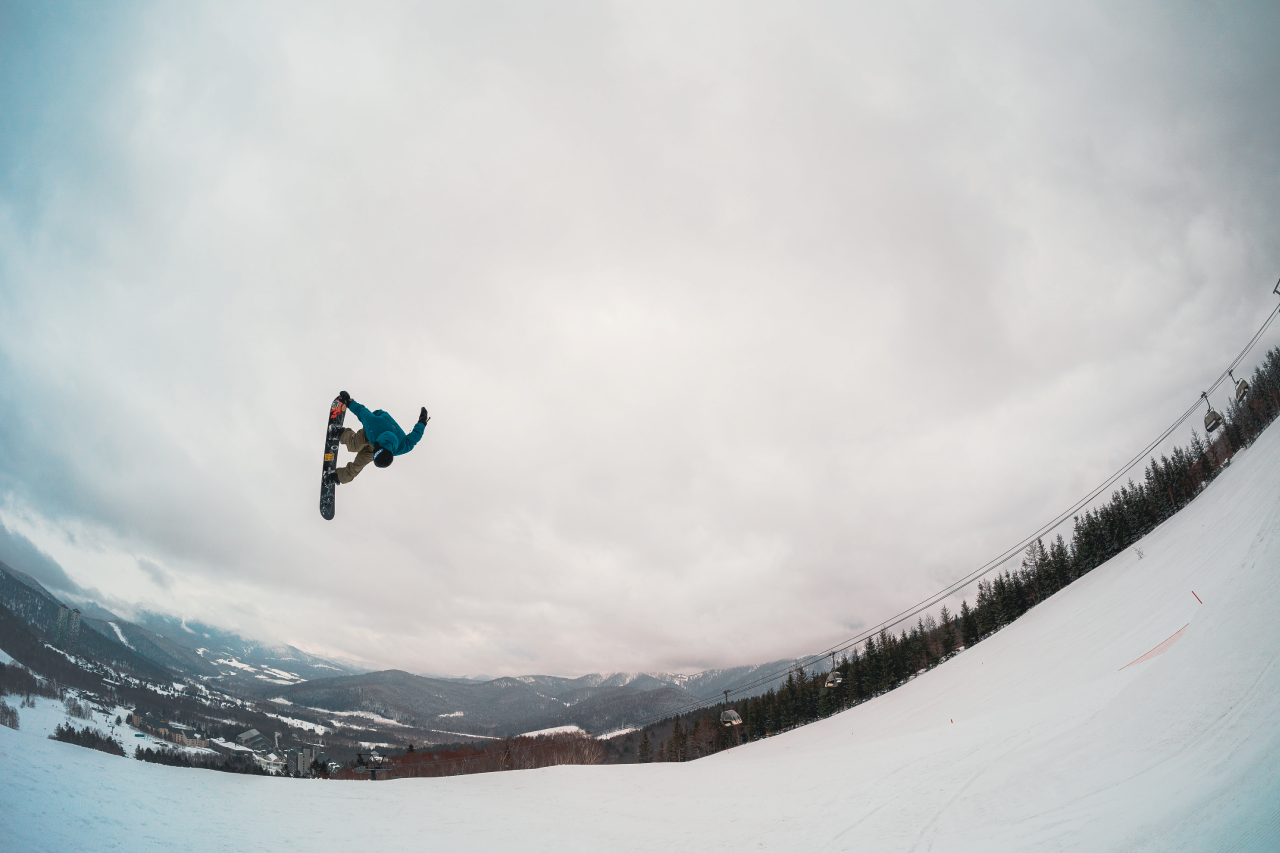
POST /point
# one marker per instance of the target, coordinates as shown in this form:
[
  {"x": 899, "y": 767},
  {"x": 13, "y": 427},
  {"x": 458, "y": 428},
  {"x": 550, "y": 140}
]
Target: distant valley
[
  {"x": 316, "y": 695},
  {"x": 506, "y": 706}
]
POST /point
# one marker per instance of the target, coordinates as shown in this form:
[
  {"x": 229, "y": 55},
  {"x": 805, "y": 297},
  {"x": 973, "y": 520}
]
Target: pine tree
[
  {"x": 644, "y": 753},
  {"x": 948, "y": 631}
]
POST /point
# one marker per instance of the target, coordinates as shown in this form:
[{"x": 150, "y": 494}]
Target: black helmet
[{"x": 382, "y": 458}]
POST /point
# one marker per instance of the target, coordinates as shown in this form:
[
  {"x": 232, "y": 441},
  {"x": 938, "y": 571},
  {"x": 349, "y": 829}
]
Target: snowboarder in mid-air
[{"x": 379, "y": 442}]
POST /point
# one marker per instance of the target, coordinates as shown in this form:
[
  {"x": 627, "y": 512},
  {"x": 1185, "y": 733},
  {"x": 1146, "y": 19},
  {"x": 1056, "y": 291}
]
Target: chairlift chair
[
  {"x": 1212, "y": 420},
  {"x": 1242, "y": 387},
  {"x": 834, "y": 679},
  {"x": 729, "y": 717}
]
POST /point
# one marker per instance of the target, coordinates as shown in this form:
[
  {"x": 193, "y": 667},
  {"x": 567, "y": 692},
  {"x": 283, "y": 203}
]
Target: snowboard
[{"x": 337, "y": 413}]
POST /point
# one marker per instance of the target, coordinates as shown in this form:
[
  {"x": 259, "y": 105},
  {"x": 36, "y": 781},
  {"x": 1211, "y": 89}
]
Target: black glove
[
  {"x": 345, "y": 398},
  {"x": 424, "y": 417}
]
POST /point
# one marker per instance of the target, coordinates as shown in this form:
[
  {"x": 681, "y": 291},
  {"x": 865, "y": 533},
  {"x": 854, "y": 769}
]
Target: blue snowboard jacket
[{"x": 382, "y": 429}]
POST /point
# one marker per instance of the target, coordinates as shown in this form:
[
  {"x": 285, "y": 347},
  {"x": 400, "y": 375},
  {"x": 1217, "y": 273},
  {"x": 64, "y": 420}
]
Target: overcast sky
[{"x": 742, "y": 326}]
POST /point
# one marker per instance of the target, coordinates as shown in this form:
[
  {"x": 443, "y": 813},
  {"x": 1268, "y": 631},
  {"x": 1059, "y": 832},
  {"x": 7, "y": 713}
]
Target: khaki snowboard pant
[{"x": 359, "y": 444}]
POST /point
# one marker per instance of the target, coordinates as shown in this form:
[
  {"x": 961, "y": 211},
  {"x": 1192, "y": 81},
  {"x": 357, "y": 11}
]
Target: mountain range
[
  {"x": 165, "y": 649},
  {"x": 513, "y": 705}
]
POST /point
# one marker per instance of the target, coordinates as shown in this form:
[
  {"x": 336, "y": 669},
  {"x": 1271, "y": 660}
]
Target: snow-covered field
[
  {"x": 300, "y": 724},
  {"x": 556, "y": 730},
  {"x": 368, "y": 715},
  {"x": 1041, "y": 737},
  {"x": 48, "y": 714}
]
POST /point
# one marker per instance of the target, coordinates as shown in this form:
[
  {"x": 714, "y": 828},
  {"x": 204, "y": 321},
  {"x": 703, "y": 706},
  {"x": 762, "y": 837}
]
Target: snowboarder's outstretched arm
[
  {"x": 414, "y": 435},
  {"x": 360, "y": 411}
]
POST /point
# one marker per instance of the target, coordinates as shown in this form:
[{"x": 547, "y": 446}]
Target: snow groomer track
[{"x": 1057, "y": 743}]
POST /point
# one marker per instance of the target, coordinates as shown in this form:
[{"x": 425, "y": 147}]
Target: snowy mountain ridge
[
  {"x": 161, "y": 646},
  {"x": 513, "y": 704}
]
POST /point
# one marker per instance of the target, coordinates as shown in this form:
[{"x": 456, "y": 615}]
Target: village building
[
  {"x": 175, "y": 733},
  {"x": 253, "y": 739},
  {"x": 299, "y": 760}
]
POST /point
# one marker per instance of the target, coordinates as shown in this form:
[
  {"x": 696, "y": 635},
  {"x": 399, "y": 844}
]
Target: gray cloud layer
[
  {"x": 740, "y": 326},
  {"x": 19, "y": 552}
]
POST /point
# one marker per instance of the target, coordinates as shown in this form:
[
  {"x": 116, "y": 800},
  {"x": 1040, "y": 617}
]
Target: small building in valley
[
  {"x": 299, "y": 760},
  {"x": 253, "y": 739},
  {"x": 175, "y": 733}
]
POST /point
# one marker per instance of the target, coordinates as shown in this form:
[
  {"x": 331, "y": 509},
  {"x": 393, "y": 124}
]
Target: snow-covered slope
[{"x": 1038, "y": 738}]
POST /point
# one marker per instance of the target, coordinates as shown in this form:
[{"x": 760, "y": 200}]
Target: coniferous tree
[
  {"x": 948, "y": 629},
  {"x": 985, "y": 610},
  {"x": 644, "y": 753},
  {"x": 675, "y": 748},
  {"x": 968, "y": 624}
]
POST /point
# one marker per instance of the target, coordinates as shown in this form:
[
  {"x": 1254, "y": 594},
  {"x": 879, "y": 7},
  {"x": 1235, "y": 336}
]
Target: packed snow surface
[
  {"x": 41, "y": 721},
  {"x": 617, "y": 733},
  {"x": 300, "y": 724},
  {"x": 120, "y": 635},
  {"x": 368, "y": 715},
  {"x": 1041, "y": 737},
  {"x": 556, "y": 730},
  {"x": 463, "y": 734}
]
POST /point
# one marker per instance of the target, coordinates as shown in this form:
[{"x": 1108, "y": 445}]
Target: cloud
[
  {"x": 156, "y": 573},
  {"x": 22, "y": 554},
  {"x": 738, "y": 327}
]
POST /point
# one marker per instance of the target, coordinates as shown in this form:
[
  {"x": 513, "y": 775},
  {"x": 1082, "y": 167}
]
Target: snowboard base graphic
[{"x": 337, "y": 413}]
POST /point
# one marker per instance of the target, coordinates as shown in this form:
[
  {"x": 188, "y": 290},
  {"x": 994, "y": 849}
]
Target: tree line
[
  {"x": 175, "y": 758},
  {"x": 87, "y": 737},
  {"x": 518, "y": 753}
]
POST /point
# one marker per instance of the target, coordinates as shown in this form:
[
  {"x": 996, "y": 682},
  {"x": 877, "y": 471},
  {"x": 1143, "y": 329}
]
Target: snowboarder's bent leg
[{"x": 359, "y": 444}]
